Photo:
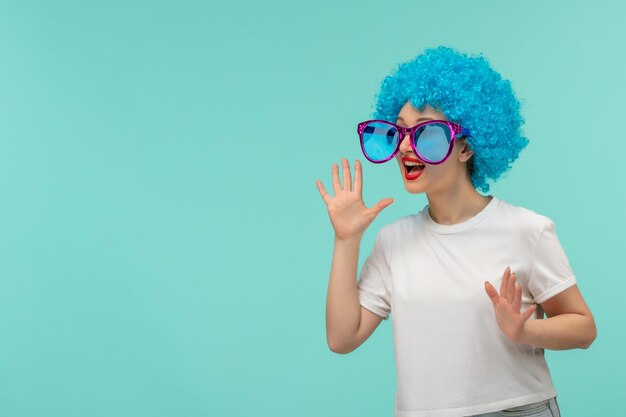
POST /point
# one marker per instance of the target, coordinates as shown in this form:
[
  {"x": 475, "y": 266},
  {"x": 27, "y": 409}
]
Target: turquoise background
[{"x": 164, "y": 250}]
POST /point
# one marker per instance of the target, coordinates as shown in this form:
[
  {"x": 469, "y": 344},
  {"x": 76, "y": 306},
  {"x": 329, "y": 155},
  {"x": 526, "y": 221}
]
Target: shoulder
[
  {"x": 524, "y": 219},
  {"x": 399, "y": 225},
  {"x": 525, "y": 215},
  {"x": 397, "y": 228}
]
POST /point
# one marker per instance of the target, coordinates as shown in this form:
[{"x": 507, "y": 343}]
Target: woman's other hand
[{"x": 507, "y": 305}]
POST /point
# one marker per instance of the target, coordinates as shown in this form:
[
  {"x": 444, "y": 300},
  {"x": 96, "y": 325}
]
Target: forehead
[{"x": 410, "y": 114}]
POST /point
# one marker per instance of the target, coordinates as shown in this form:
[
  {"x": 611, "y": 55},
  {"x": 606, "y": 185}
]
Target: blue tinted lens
[
  {"x": 433, "y": 141},
  {"x": 379, "y": 140}
]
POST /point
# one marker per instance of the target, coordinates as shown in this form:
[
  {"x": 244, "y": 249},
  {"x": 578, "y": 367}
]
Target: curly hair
[{"x": 467, "y": 91}]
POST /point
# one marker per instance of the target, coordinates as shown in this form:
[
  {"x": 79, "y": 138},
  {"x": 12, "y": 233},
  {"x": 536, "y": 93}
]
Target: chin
[
  {"x": 414, "y": 189},
  {"x": 414, "y": 186}
]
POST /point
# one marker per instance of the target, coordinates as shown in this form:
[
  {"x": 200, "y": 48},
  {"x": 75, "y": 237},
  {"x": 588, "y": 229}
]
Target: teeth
[{"x": 411, "y": 164}]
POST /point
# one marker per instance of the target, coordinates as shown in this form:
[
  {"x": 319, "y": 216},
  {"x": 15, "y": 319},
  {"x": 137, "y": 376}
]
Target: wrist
[{"x": 348, "y": 240}]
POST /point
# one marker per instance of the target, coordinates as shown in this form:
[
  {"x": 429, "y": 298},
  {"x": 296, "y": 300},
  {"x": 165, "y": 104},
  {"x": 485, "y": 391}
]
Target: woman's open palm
[
  {"x": 507, "y": 306},
  {"x": 346, "y": 209}
]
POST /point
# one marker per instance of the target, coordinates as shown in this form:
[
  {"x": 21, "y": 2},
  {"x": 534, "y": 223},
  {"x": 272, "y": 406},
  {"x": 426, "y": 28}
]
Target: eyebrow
[{"x": 421, "y": 118}]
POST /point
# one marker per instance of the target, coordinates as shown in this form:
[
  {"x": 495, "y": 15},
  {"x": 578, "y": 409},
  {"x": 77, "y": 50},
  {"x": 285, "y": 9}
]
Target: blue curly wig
[{"x": 467, "y": 91}]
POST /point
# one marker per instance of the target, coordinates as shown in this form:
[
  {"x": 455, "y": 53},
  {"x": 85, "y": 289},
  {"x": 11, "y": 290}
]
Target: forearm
[
  {"x": 560, "y": 332},
  {"x": 343, "y": 311}
]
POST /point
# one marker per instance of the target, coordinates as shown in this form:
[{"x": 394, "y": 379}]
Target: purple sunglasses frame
[{"x": 455, "y": 129}]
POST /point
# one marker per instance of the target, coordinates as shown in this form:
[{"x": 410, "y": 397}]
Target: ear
[{"x": 466, "y": 153}]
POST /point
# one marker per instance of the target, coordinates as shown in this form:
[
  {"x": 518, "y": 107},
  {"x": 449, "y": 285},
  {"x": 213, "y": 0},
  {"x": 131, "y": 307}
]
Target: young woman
[{"x": 469, "y": 277}]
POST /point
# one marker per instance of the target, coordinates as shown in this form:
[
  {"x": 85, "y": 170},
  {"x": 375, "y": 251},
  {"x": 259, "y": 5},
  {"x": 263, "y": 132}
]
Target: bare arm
[{"x": 348, "y": 324}]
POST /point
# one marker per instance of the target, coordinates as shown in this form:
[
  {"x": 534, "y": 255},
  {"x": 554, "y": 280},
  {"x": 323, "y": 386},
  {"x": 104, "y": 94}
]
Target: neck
[{"x": 456, "y": 204}]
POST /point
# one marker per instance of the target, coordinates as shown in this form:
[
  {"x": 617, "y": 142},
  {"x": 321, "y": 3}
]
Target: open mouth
[{"x": 413, "y": 168}]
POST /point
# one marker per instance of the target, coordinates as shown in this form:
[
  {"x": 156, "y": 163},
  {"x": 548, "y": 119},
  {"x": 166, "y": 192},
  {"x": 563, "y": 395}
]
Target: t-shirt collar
[{"x": 448, "y": 229}]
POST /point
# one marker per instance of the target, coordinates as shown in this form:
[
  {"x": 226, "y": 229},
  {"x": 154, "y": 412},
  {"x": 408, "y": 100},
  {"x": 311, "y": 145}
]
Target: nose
[{"x": 405, "y": 144}]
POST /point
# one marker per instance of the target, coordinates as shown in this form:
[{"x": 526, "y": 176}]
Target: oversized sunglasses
[{"x": 432, "y": 141}]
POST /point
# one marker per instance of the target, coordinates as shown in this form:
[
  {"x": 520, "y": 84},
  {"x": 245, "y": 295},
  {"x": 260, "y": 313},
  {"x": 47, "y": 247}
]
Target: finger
[
  {"x": 358, "y": 177},
  {"x": 336, "y": 183},
  {"x": 529, "y": 312},
  {"x": 492, "y": 293},
  {"x": 325, "y": 196},
  {"x": 505, "y": 282},
  {"x": 517, "y": 301},
  {"x": 510, "y": 293},
  {"x": 347, "y": 180},
  {"x": 381, "y": 205}
]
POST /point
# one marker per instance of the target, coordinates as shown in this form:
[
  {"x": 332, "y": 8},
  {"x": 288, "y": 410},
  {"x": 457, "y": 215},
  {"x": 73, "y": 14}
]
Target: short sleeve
[
  {"x": 550, "y": 271},
  {"x": 374, "y": 281}
]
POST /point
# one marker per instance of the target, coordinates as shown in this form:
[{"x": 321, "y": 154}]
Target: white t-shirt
[{"x": 452, "y": 359}]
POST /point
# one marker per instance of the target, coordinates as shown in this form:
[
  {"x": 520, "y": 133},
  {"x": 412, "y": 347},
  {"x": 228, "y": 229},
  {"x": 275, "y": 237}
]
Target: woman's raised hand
[{"x": 346, "y": 209}]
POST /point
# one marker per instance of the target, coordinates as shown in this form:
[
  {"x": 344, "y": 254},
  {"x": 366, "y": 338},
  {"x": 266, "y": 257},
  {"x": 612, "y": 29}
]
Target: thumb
[
  {"x": 529, "y": 312},
  {"x": 382, "y": 204}
]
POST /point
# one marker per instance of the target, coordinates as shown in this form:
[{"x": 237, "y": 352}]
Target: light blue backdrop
[{"x": 164, "y": 250}]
